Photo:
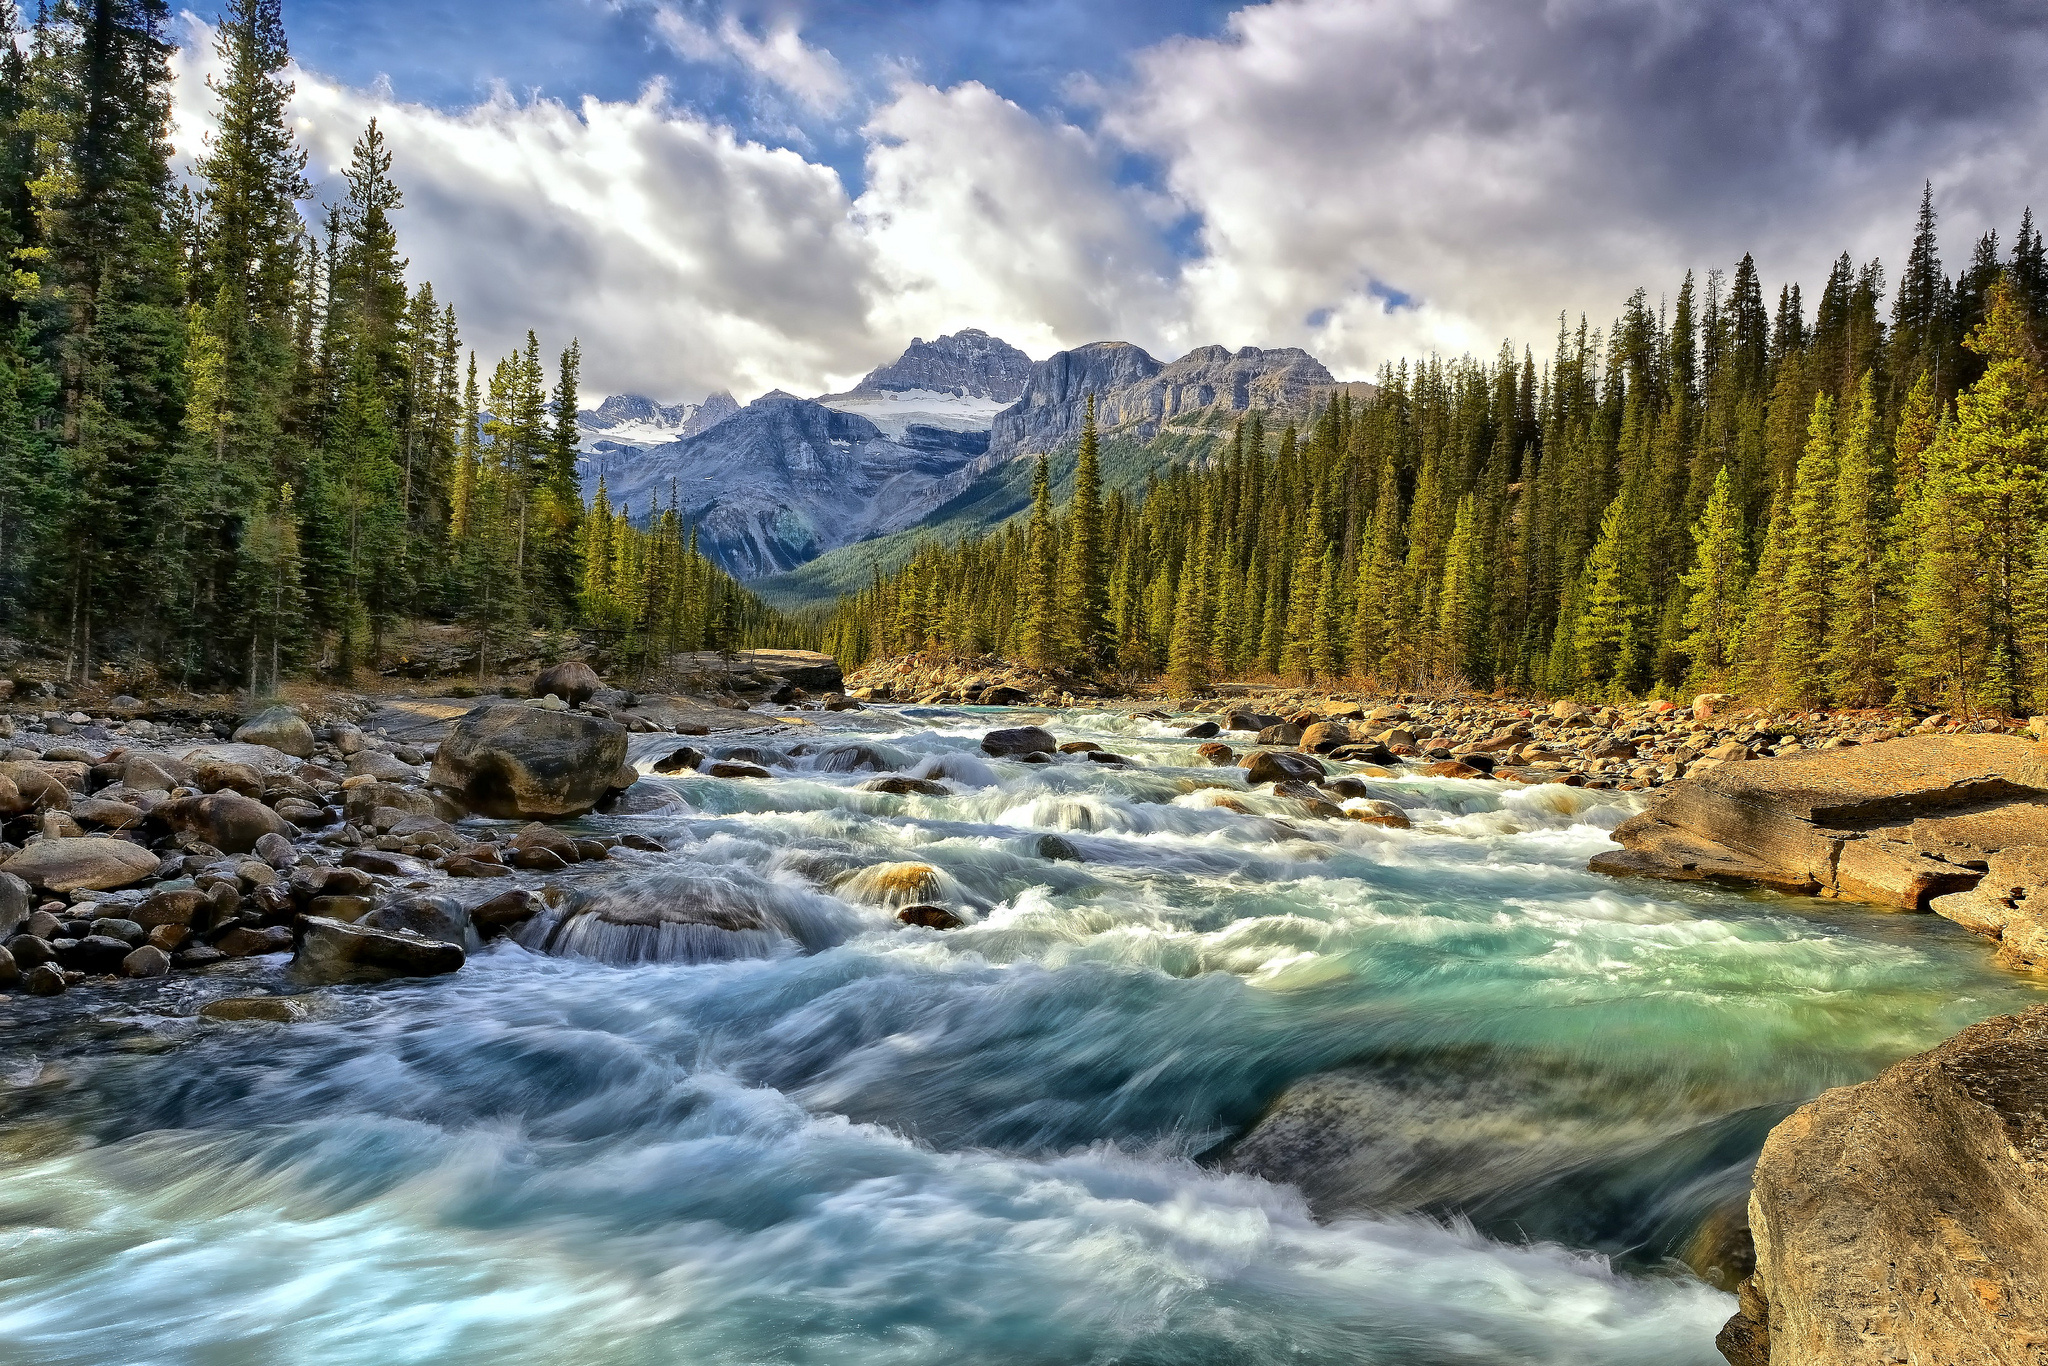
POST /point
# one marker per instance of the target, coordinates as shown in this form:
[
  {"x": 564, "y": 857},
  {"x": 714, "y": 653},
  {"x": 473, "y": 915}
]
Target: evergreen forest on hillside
[
  {"x": 233, "y": 448},
  {"x": 1843, "y": 510}
]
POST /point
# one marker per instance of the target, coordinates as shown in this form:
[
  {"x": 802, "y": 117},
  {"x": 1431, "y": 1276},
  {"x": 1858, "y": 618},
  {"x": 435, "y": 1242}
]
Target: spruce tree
[
  {"x": 1083, "y": 595},
  {"x": 1861, "y": 623},
  {"x": 1808, "y": 585},
  {"x": 1040, "y": 626},
  {"x": 1716, "y": 585}
]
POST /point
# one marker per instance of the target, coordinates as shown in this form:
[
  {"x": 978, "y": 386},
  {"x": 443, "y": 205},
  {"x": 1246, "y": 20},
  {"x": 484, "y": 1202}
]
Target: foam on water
[{"x": 853, "y": 1141}]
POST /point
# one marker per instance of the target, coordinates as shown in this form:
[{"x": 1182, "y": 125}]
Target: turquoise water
[{"x": 1009, "y": 1142}]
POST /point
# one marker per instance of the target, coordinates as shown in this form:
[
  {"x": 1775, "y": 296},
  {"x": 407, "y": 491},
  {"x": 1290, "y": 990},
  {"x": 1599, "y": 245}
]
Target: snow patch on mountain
[{"x": 897, "y": 411}]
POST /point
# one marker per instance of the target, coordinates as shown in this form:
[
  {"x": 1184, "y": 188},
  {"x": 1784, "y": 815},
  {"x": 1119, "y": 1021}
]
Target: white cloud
[
  {"x": 780, "y": 56},
  {"x": 1498, "y": 160},
  {"x": 984, "y": 216},
  {"x": 1481, "y": 163}
]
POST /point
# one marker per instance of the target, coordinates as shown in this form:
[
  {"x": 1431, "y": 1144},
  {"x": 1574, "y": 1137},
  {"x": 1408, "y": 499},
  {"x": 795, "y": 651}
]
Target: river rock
[
  {"x": 1265, "y": 767},
  {"x": 16, "y": 904},
  {"x": 228, "y": 821},
  {"x": 1019, "y": 741},
  {"x": 375, "y": 763},
  {"x": 1906, "y": 1219},
  {"x": 1324, "y": 736},
  {"x": 506, "y": 912},
  {"x": 147, "y": 961},
  {"x": 333, "y": 951},
  {"x": 572, "y": 680},
  {"x": 44, "y": 980},
  {"x": 906, "y": 787},
  {"x": 430, "y": 917},
  {"x": 1896, "y": 824},
  {"x": 278, "y": 728},
  {"x": 276, "y": 1009},
  {"x": 517, "y": 762},
  {"x": 1202, "y": 730},
  {"x": 87, "y": 863},
  {"x": 35, "y": 787},
  {"x": 671, "y": 915}
]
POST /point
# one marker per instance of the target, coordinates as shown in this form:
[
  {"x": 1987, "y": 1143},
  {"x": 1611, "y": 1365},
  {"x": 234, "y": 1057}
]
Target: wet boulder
[
  {"x": 930, "y": 917},
  {"x": 684, "y": 759},
  {"x": 1019, "y": 741},
  {"x": 228, "y": 821},
  {"x": 82, "y": 863},
  {"x": 906, "y": 787},
  {"x": 1265, "y": 767},
  {"x": 1906, "y": 1219},
  {"x": 278, "y": 728},
  {"x": 572, "y": 680},
  {"x": 335, "y": 951},
  {"x": 239, "y": 1009},
  {"x": 512, "y": 761},
  {"x": 505, "y": 913},
  {"x": 1218, "y": 754},
  {"x": 1202, "y": 730},
  {"x": 431, "y": 917}
]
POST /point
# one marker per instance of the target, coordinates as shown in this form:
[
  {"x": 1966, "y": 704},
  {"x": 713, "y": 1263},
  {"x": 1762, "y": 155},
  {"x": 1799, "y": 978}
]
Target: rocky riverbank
[{"x": 142, "y": 838}]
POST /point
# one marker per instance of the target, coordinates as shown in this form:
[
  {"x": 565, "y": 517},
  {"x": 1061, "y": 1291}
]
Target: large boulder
[
  {"x": 1896, "y": 824},
  {"x": 1906, "y": 1219},
  {"x": 228, "y": 821},
  {"x": 1019, "y": 741},
  {"x": 334, "y": 951},
  {"x": 278, "y": 728},
  {"x": 516, "y": 762},
  {"x": 1262, "y": 766},
  {"x": 572, "y": 680},
  {"x": 83, "y": 863}
]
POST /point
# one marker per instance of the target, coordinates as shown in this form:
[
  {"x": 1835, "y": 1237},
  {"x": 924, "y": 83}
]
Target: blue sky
[{"x": 753, "y": 194}]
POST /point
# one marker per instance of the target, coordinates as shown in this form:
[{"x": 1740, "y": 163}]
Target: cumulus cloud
[
  {"x": 985, "y": 216},
  {"x": 1374, "y": 178}
]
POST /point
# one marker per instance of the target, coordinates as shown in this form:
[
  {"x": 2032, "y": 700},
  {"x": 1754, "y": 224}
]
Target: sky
[{"x": 761, "y": 194}]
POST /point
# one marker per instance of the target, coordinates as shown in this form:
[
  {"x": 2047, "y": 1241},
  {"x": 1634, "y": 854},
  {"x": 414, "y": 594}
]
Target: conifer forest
[
  {"x": 1841, "y": 508},
  {"x": 234, "y": 448}
]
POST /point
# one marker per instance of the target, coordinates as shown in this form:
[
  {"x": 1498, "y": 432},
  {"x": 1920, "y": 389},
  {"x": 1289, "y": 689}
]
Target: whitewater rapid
[{"x": 1011, "y": 1142}]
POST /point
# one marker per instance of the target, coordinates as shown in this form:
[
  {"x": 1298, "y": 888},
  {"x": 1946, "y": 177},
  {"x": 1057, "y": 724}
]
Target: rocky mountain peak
[
  {"x": 1137, "y": 395},
  {"x": 969, "y": 363}
]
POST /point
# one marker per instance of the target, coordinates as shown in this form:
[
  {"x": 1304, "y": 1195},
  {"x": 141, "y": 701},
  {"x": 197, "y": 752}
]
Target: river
[{"x": 1005, "y": 1143}]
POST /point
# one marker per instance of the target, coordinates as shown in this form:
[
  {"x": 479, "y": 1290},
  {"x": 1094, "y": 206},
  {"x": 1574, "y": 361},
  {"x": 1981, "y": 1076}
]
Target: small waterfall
[{"x": 690, "y": 915}]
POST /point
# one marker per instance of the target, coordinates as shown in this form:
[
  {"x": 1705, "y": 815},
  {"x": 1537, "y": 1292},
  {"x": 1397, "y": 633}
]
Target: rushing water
[{"x": 1006, "y": 1143}]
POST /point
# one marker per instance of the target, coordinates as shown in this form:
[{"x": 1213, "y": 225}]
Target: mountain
[
  {"x": 785, "y": 479},
  {"x": 624, "y": 422},
  {"x": 1152, "y": 415},
  {"x": 955, "y": 383},
  {"x": 1139, "y": 396}
]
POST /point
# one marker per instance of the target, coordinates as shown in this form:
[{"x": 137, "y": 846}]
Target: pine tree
[{"x": 1083, "y": 592}]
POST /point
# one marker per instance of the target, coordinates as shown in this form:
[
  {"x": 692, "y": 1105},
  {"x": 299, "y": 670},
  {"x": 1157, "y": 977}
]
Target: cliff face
[
  {"x": 1136, "y": 395},
  {"x": 1906, "y": 1219}
]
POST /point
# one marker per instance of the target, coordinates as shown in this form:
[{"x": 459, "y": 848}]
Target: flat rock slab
[
  {"x": 1906, "y": 1219},
  {"x": 1895, "y": 824}
]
